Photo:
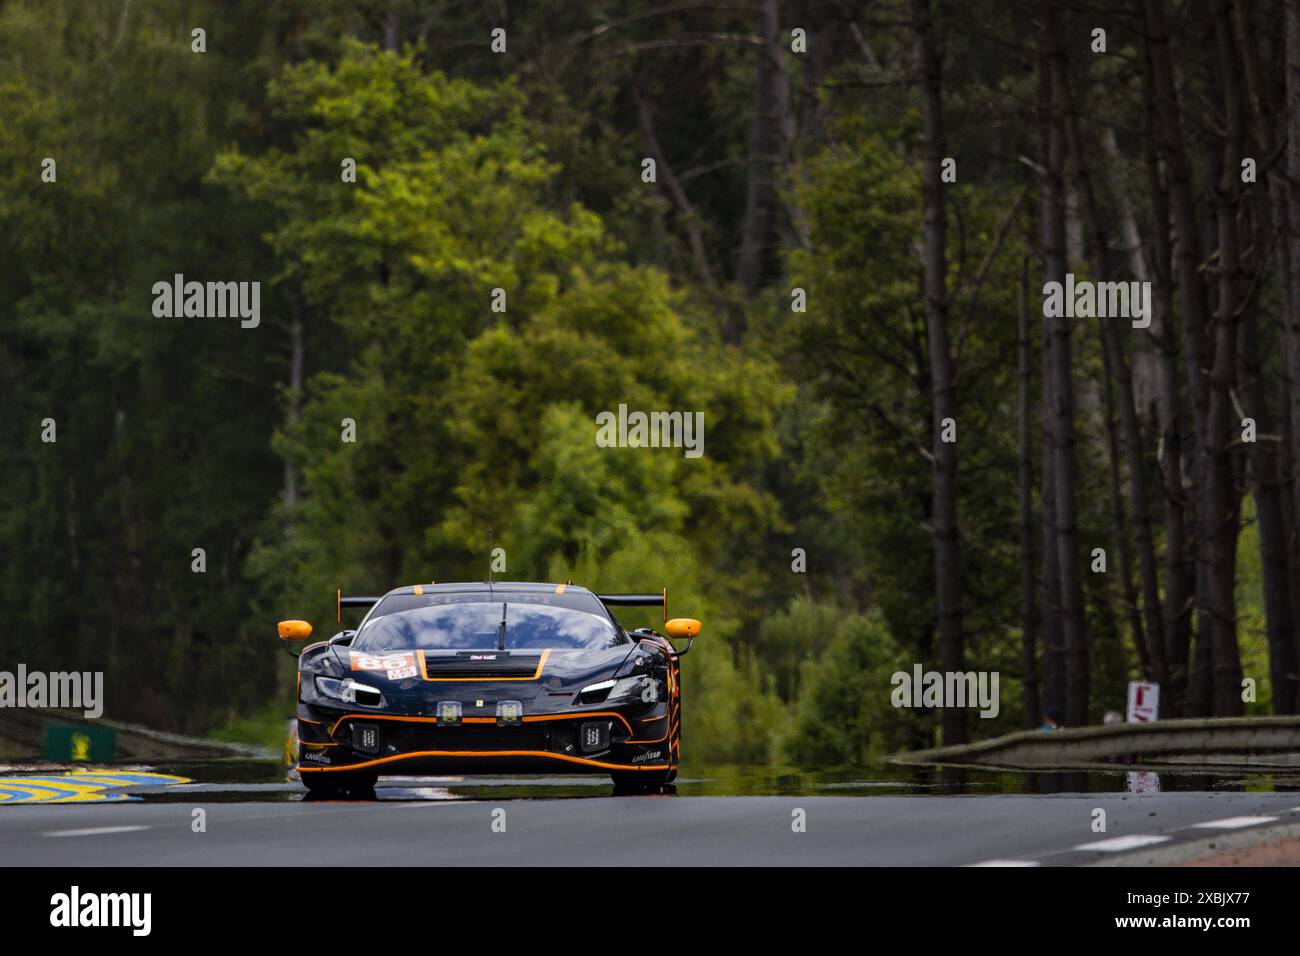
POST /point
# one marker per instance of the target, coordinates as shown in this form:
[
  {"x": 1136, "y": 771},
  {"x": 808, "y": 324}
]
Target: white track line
[
  {"x": 93, "y": 831},
  {"x": 1121, "y": 843},
  {"x": 1006, "y": 863},
  {"x": 1233, "y": 823}
]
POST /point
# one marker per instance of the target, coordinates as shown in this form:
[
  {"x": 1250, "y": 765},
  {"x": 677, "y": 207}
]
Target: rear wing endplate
[{"x": 352, "y": 600}]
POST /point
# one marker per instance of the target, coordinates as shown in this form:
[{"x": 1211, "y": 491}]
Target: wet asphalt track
[{"x": 416, "y": 825}]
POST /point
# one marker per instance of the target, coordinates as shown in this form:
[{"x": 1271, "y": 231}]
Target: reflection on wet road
[
  {"x": 243, "y": 781},
  {"x": 252, "y": 815}
]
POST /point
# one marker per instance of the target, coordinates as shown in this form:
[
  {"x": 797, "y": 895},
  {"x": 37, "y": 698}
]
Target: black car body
[{"x": 490, "y": 678}]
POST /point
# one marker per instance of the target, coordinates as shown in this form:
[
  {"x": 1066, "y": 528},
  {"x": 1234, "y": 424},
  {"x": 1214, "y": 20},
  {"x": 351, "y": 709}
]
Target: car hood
[{"x": 412, "y": 680}]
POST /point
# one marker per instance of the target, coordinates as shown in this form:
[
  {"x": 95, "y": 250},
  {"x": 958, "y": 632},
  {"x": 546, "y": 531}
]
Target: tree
[
  {"x": 1195, "y": 313},
  {"x": 943, "y": 408},
  {"x": 1057, "y": 331},
  {"x": 1024, "y": 472}
]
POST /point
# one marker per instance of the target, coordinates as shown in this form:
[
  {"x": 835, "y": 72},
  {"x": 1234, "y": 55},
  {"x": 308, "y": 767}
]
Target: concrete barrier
[
  {"x": 1165, "y": 741},
  {"x": 22, "y": 735}
]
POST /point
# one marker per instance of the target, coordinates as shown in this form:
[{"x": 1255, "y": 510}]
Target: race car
[{"x": 490, "y": 678}]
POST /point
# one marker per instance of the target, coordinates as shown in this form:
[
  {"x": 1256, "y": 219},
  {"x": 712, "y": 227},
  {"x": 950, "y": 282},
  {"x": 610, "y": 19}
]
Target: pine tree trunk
[
  {"x": 1180, "y": 560},
  {"x": 1053, "y": 656},
  {"x": 769, "y": 140},
  {"x": 944, "y": 519},
  {"x": 1150, "y": 653},
  {"x": 293, "y": 414},
  {"x": 1196, "y": 319},
  {"x": 1053, "y": 244},
  {"x": 1292, "y": 114},
  {"x": 1119, "y": 518},
  {"x": 1028, "y": 648},
  {"x": 1265, "y": 464},
  {"x": 1222, "y": 515}
]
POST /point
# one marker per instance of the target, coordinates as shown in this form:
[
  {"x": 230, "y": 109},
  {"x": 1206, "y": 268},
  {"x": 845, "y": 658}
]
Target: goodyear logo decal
[{"x": 79, "y": 786}]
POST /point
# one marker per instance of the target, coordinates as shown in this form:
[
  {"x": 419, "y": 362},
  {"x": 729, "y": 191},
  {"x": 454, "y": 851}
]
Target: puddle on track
[{"x": 260, "y": 781}]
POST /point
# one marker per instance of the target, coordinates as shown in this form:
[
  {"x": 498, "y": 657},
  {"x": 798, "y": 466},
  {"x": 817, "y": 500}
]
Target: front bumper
[{"x": 598, "y": 739}]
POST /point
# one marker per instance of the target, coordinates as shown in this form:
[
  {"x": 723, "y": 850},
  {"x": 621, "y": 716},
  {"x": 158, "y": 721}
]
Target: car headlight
[
  {"x": 595, "y": 693},
  {"x": 349, "y": 691},
  {"x": 639, "y": 685}
]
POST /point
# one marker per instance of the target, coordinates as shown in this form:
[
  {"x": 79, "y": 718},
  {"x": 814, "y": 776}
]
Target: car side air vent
[{"x": 370, "y": 698}]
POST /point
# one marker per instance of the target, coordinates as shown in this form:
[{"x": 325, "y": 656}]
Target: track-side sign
[{"x": 1143, "y": 702}]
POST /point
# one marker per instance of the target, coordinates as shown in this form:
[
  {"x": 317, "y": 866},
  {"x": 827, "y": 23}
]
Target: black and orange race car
[{"x": 490, "y": 678}]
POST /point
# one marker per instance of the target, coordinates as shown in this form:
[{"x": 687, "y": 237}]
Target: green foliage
[
  {"x": 152, "y": 459},
  {"x": 491, "y": 425},
  {"x": 729, "y": 712},
  {"x": 844, "y": 714},
  {"x": 266, "y": 728},
  {"x": 863, "y": 347},
  {"x": 476, "y": 173},
  {"x": 1253, "y": 630},
  {"x": 793, "y": 635}
]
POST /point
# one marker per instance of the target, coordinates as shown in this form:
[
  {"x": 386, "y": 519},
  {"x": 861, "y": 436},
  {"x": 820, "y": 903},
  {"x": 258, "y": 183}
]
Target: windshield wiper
[{"x": 501, "y": 631}]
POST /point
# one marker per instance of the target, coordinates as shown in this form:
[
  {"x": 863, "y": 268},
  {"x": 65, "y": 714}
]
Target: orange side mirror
[
  {"x": 294, "y": 630},
  {"x": 683, "y": 627}
]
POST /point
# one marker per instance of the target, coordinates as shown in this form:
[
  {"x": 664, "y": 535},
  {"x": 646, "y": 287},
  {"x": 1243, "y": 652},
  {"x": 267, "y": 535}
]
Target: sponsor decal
[
  {"x": 395, "y": 666},
  {"x": 651, "y": 755}
]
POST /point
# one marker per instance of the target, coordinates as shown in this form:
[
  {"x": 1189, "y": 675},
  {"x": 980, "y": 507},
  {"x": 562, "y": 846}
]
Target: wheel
[
  {"x": 641, "y": 781},
  {"x": 334, "y": 784}
]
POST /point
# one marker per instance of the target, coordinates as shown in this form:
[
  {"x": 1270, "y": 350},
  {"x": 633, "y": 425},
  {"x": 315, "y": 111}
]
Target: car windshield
[
  {"x": 570, "y": 598},
  {"x": 477, "y": 626}
]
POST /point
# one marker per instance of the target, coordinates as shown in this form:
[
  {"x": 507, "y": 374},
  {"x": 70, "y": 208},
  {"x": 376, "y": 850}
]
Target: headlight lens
[
  {"x": 349, "y": 691},
  {"x": 647, "y": 688},
  {"x": 595, "y": 693},
  {"x": 639, "y": 685}
]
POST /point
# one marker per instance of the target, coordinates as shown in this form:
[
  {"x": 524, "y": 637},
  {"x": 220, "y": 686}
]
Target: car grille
[
  {"x": 473, "y": 737},
  {"x": 472, "y": 664},
  {"x": 559, "y": 737}
]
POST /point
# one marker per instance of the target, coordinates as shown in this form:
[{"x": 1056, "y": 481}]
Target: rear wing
[
  {"x": 351, "y": 600},
  {"x": 609, "y": 600},
  {"x": 637, "y": 600}
]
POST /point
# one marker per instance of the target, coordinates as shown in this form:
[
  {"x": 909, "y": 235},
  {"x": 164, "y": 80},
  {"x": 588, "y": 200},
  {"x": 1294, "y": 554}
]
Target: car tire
[
  {"x": 640, "y": 781},
  {"x": 336, "y": 784}
]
